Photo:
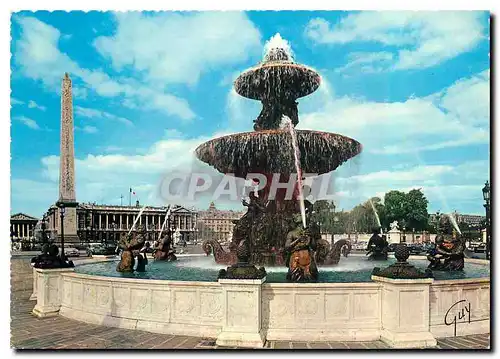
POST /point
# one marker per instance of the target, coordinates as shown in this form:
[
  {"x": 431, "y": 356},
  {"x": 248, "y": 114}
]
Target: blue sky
[{"x": 412, "y": 87}]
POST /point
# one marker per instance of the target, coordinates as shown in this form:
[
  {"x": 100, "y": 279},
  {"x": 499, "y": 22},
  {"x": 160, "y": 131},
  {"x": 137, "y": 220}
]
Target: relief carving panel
[
  {"x": 366, "y": 305},
  {"x": 337, "y": 306},
  {"x": 211, "y": 305},
  {"x": 277, "y": 309}
]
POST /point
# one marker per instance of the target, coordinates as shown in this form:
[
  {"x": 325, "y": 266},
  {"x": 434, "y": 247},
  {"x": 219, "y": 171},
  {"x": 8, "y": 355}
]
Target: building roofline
[{"x": 24, "y": 214}]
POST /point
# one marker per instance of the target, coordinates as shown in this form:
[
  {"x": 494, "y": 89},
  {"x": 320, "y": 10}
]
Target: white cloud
[
  {"x": 241, "y": 111},
  {"x": 173, "y": 133},
  {"x": 93, "y": 113},
  {"x": 31, "y": 196},
  {"x": 367, "y": 62},
  {"x": 113, "y": 149},
  {"x": 38, "y": 57},
  {"x": 417, "y": 124},
  {"x": 178, "y": 47},
  {"x": 87, "y": 129},
  {"x": 33, "y": 104},
  {"x": 37, "y": 53},
  {"x": 469, "y": 99},
  {"x": 421, "y": 39},
  {"x": 114, "y": 169},
  {"x": 15, "y": 101},
  {"x": 28, "y": 122},
  {"x": 447, "y": 187},
  {"x": 104, "y": 177}
]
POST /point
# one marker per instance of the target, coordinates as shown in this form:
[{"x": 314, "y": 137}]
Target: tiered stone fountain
[{"x": 277, "y": 82}]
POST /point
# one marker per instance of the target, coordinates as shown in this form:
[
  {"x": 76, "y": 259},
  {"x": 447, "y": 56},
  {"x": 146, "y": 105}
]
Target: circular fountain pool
[{"x": 354, "y": 269}]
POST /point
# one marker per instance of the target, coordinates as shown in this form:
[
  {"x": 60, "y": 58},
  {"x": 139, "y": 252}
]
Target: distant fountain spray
[
  {"x": 136, "y": 219},
  {"x": 286, "y": 123},
  {"x": 454, "y": 223},
  {"x": 376, "y": 216},
  {"x": 149, "y": 198},
  {"x": 165, "y": 221}
]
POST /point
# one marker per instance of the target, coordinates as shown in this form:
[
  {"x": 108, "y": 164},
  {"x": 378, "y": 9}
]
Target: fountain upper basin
[
  {"x": 269, "y": 151},
  {"x": 277, "y": 79}
]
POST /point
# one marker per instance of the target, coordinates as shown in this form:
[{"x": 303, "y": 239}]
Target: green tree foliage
[
  {"x": 364, "y": 218},
  {"x": 409, "y": 209},
  {"x": 416, "y": 213},
  {"x": 394, "y": 206},
  {"x": 324, "y": 214}
]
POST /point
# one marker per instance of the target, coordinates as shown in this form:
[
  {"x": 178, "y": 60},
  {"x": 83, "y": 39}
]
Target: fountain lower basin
[{"x": 359, "y": 310}]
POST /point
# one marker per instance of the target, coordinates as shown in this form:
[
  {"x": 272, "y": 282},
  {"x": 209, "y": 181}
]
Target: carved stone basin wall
[{"x": 276, "y": 311}]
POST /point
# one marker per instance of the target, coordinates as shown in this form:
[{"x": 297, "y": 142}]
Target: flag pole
[{"x": 130, "y": 197}]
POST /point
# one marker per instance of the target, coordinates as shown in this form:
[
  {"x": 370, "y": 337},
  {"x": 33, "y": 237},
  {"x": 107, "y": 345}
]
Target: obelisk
[{"x": 67, "y": 197}]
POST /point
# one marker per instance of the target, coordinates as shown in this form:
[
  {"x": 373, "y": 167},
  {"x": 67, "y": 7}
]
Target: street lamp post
[
  {"x": 44, "y": 230},
  {"x": 486, "y": 197},
  {"x": 62, "y": 211},
  {"x": 113, "y": 235},
  {"x": 438, "y": 222}
]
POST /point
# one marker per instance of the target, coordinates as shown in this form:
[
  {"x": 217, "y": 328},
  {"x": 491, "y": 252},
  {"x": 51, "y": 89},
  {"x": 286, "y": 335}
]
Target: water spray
[
  {"x": 140, "y": 213},
  {"x": 278, "y": 43},
  {"x": 286, "y": 123},
  {"x": 136, "y": 219},
  {"x": 376, "y": 216},
  {"x": 165, "y": 221}
]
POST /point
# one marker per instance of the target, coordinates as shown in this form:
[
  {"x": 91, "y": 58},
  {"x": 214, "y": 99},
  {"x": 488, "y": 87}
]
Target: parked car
[
  {"x": 392, "y": 247},
  {"x": 360, "y": 245},
  {"x": 71, "y": 252},
  {"x": 480, "y": 248},
  {"x": 100, "y": 249},
  {"x": 415, "y": 248},
  {"x": 428, "y": 247},
  {"x": 37, "y": 247}
]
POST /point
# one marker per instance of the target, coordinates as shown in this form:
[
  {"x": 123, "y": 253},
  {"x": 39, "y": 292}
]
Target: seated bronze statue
[
  {"x": 378, "y": 247},
  {"x": 50, "y": 258},
  {"x": 131, "y": 245},
  {"x": 448, "y": 254},
  {"x": 164, "y": 250}
]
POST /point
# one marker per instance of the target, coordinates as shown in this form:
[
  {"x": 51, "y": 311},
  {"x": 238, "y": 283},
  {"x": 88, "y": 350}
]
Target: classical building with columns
[
  {"x": 22, "y": 226},
  {"x": 104, "y": 223}
]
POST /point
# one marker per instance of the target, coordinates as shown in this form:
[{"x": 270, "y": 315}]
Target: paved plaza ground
[{"x": 30, "y": 332}]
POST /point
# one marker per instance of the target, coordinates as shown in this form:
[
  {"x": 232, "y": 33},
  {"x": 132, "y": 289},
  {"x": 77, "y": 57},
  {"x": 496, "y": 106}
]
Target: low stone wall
[
  {"x": 321, "y": 312},
  {"x": 460, "y": 307},
  {"x": 187, "y": 308},
  {"x": 402, "y": 313}
]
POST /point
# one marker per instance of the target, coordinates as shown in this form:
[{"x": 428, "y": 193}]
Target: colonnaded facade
[
  {"x": 22, "y": 226},
  {"x": 100, "y": 223}
]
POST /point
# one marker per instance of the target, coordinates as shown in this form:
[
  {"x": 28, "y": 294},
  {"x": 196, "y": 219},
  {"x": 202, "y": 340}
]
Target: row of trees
[{"x": 408, "y": 209}]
